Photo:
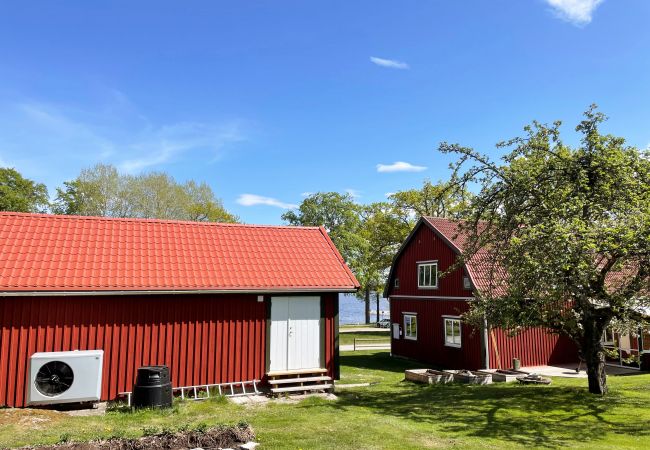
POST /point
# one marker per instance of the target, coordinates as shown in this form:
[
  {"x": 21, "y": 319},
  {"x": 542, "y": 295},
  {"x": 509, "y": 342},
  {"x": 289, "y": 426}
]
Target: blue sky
[{"x": 269, "y": 100}]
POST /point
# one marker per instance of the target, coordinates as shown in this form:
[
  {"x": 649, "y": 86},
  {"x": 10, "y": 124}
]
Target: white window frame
[
  {"x": 644, "y": 332},
  {"x": 466, "y": 283},
  {"x": 608, "y": 332},
  {"x": 396, "y": 285},
  {"x": 452, "y": 320},
  {"x": 408, "y": 318},
  {"x": 428, "y": 264}
]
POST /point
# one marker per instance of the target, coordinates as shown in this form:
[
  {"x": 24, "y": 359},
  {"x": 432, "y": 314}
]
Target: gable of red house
[{"x": 441, "y": 241}]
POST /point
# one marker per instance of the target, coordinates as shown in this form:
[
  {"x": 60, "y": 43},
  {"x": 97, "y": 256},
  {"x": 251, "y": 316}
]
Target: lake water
[{"x": 351, "y": 309}]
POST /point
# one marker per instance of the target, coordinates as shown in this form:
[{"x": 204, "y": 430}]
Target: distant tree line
[{"x": 103, "y": 191}]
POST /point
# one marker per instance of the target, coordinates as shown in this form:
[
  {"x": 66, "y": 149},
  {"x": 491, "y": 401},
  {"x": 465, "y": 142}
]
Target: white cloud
[
  {"x": 51, "y": 142},
  {"x": 254, "y": 200},
  {"x": 57, "y": 125},
  {"x": 388, "y": 194},
  {"x": 399, "y": 166},
  {"x": 578, "y": 12},
  {"x": 391, "y": 63},
  {"x": 160, "y": 145},
  {"x": 354, "y": 193},
  {"x": 306, "y": 194}
]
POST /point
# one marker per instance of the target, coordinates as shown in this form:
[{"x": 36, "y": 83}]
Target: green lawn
[
  {"x": 348, "y": 338},
  {"x": 391, "y": 413}
]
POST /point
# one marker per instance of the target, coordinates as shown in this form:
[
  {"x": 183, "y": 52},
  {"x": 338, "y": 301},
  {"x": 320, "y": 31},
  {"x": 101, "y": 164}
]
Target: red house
[
  {"x": 214, "y": 302},
  {"x": 425, "y": 308}
]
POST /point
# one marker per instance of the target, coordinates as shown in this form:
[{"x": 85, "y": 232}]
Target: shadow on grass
[
  {"x": 549, "y": 416},
  {"x": 378, "y": 361}
]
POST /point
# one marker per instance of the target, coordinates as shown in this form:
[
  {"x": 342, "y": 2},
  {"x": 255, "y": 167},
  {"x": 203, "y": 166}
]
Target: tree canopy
[
  {"x": 102, "y": 191},
  {"x": 444, "y": 199},
  {"x": 339, "y": 214},
  {"x": 21, "y": 194},
  {"x": 346, "y": 223},
  {"x": 565, "y": 232}
]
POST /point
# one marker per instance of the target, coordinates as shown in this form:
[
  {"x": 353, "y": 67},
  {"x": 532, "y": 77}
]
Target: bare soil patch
[{"x": 212, "y": 438}]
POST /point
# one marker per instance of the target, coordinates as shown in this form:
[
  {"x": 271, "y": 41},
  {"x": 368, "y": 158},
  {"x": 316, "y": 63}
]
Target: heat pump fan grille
[{"x": 54, "y": 378}]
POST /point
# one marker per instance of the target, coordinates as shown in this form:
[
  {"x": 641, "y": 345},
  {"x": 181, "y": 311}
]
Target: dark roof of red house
[
  {"x": 41, "y": 252},
  {"x": 484, "y": 275},
  {"x": 479, "y": 267}
]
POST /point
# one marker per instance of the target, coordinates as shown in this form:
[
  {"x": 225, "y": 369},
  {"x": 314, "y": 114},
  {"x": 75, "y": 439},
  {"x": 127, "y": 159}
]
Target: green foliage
[
  {"x": 201, "y": 427},
  {"x": 444, "y": 199},
  {"x": 150, "y": 431},
  {"x": 20, "y": 194},
  {"x": 102, "y": 191},
  {"x": 215, "y": 397},
  {"x": 357, "y": 231},
  {"x": 385, "y": 228},
  {"x": 340, "y": 216},
  {"x": 118, "y": 434},
  {"x": 570, "y": 227},
  {"x": 64, "y": 438}
]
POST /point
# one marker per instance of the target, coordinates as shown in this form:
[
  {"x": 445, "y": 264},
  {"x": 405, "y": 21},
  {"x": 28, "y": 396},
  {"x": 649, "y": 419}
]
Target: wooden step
[
  {"x": 282, "y": 373},
  {"x": 311, "y": 387},
  {"x": 299, "y": 380}
]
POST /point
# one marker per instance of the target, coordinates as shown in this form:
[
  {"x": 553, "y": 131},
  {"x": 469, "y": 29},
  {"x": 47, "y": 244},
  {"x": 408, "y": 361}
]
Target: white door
[
  {"x": 279, "y": 333},
  {"x": 295, "y": 333}
]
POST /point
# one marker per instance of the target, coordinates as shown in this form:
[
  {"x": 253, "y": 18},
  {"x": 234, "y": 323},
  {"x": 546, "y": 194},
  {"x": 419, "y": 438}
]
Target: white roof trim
[{"x": 169, "y": 292}]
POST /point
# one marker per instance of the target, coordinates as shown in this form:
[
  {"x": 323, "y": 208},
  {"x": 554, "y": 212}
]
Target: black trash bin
[{"x": 153, "y": 388}]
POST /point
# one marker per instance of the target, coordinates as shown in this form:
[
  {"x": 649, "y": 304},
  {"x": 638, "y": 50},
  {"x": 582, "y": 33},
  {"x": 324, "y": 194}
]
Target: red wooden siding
[
  {"x": 430, "y": 345},
  {"x": 425, "y": 245},
  {"x": 533, "y": 347},
  {"x": 330, "y": 300},
  {"x": 203, "y": 339}
]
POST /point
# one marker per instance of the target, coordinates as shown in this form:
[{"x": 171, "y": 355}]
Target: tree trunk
[
  {"x": 367, "y": 305},
  {"x": 594, "y": 356},
  {"x": 377, "y": 293}
]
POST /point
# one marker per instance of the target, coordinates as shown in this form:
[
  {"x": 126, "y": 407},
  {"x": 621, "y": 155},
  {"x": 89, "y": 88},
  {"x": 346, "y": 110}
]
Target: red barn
[
  {"x": 425, "y": 309},
  {"x": 214, "y": 302}
]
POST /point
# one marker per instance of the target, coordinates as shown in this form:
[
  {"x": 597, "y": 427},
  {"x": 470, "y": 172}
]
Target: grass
[
  {"x": 389, "y": 414},
  {"x": 348, "y": 338}
]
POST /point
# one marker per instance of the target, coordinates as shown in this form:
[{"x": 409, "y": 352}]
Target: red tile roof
[{"x": 40, "y": 252}]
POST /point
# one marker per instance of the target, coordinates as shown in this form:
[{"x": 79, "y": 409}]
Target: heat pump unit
[{"x": 65, "y": 377}]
